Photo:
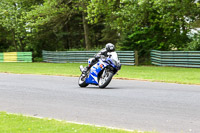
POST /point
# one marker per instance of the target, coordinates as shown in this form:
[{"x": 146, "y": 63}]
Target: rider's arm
[
  {"x": 104, "y": 52},
  {"x": 101, "y": 52}
]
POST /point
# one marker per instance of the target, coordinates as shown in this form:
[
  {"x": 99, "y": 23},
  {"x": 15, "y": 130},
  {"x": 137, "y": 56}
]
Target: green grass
[
  {"x": 150, "y": 73},
  {"x": 13, "y": 123},
  {"x": 162, "y": 74}
]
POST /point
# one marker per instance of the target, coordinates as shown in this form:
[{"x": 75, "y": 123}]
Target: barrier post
[{"x": 136, "y": 58}]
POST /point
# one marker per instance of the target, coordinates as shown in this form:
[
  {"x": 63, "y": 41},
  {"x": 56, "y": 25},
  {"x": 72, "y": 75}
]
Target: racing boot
[{"x": 85, "y": 70}]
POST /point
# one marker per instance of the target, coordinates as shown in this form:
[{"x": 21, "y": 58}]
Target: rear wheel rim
[{"x": 81, "y": 79}]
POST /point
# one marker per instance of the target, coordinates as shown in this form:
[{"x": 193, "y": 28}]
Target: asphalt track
[{"x": 128, "y": 104}]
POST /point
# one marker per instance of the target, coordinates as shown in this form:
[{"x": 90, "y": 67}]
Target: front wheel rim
[{"x": 103, "y": 79}]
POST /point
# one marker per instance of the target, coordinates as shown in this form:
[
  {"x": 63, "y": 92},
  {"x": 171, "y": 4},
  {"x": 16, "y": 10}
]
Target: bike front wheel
[{"x": 105, "y": 79}]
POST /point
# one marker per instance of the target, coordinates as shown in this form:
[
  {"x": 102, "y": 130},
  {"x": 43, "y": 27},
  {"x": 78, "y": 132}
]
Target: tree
[
  {"x": 85, "y": 23},
  {"x": 57, "y": 15},
  {"x": 5, "y": 39},
  {"x": 148, "y": 24},
  {"x": 101, "y": 13},
  {"x": 12, "y": 18}
]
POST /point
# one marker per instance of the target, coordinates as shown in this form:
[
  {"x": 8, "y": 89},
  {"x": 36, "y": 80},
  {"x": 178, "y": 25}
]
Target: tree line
[{"x": 140, "y": 25}]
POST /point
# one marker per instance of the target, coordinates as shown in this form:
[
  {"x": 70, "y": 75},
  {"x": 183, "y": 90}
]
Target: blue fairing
[
  {"x": 93, "y": 75},
  {"x": 111, "y": 63}
]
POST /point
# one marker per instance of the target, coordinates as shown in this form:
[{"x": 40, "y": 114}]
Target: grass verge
[
  {"x": 13, "y": 123},
  {"x": 150, "y": 73}
]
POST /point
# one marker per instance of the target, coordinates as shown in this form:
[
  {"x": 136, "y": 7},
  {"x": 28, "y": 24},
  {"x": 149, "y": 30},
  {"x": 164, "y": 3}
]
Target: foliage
[
  {"x": 12, "y": 18},
  {"x": 148, "y": 24},
  {"x": 5, "y": 38},
  {"x": 101, "y": 12},
  {"x": 67, "y": 24},
  {"x": 194, "y": 44},
  {"x": 46, "y": 23},
  {"x": 62, "y": 23}
]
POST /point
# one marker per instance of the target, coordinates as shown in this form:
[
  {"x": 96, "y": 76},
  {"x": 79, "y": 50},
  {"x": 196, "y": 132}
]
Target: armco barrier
[
  {"x": 176, "y": 58},
  {"x": 16, "y": 57},
  {"x": 126, "y": 57}
]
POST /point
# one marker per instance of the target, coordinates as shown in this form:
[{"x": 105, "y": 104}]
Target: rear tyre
[
  {"x": 105, "y": 80},
  {"x": 82, "y": 81}
]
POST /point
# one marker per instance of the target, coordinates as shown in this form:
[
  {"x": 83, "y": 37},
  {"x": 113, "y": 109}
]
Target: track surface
[{"x": 129, "y": 104}]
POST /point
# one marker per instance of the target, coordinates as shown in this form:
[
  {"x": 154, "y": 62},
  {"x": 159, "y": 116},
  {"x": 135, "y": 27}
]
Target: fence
[
  {"x": 16, "y": 57},
  {"x": 176, "y": 58},
  {"x": 126, "y": 57}
]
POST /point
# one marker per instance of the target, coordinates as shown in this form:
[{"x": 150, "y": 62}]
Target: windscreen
[{"x": 114, "y": 58}]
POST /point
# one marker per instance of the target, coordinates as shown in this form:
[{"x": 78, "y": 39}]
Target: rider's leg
[{"x": 89, "y": 66}]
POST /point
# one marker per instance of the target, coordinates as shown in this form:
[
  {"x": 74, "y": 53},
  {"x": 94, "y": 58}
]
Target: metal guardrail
[
  {"x": 16, "y": 57},
  {"x": 176, "y": 58},
  {"x": 126, "y": 57}
]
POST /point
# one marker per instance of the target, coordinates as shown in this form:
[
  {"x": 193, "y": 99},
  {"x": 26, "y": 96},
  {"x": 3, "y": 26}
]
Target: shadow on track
[{"x": 96, "y": 87}]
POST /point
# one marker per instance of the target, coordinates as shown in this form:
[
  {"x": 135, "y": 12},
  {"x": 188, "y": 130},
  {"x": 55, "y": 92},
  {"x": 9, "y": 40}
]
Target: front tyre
[
  {"x": 82, "y": 81},
  {"x": 105, "y": 79}
]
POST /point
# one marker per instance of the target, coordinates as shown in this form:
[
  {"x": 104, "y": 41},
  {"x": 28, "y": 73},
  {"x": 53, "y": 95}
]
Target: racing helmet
[{"x": 110, "y": 47}]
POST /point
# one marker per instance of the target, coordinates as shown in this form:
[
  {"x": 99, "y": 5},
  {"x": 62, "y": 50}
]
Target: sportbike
[{"x": 102, "y": 72}]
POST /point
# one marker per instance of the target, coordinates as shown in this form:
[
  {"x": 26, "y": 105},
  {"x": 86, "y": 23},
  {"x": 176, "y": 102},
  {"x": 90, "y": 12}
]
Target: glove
[
  {"x": 97, "y": 56},
  {"x": 104, "y": 53}
]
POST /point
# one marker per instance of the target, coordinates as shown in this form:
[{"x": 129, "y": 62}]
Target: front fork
[{"x": 104, "y": 73}]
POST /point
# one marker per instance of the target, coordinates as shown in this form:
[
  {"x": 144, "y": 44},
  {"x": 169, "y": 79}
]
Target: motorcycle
[{"x": 102, "y": 72}]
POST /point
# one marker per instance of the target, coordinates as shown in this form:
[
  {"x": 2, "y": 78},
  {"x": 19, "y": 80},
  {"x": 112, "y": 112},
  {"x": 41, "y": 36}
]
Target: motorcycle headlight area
[{"x": 114, "y": 62}]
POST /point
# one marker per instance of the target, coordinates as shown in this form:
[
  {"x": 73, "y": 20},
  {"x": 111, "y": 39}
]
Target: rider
[{"x": 108, "y": 48}]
